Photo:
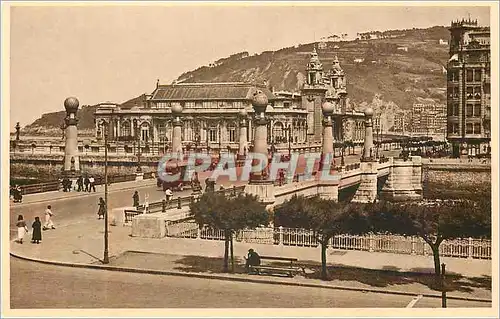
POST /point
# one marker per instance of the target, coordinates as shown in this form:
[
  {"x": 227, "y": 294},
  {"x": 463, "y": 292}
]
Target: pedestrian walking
[
  {"x": 169, "y": 194},
  {"x": 18, "y": 197},
  {"x": 102, "y": 208},
  {"x": 136, "y": 198},
  {"x": 79, "y": 182},
  {"x": 92, "y": 183},
  {"x": 86, "y": 182},
  {"x": 48, "y": 219},
  {"x": 37, "y": 231},
  {"x": 22, "y": 229}
]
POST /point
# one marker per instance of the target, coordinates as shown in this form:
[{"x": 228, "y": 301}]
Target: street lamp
[
  {"x": 289, "y": 131},
  {"x": 136, "y": 127},
  {"x": 106, "y": 244}
]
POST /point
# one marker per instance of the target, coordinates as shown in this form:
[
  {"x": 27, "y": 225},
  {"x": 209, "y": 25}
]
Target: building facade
[
  {"x": 469, "y": 89},
  {"x": 211, "y": 114}
]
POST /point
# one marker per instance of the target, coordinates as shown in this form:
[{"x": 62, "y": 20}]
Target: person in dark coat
[
  {"x": 136, "y": 198},
  {"x": 79, "y": 182},
  {"x": 253, "y": 259},
  {"x": 37, "y": 231},
  {"x": 102, "y": 208},
  {"x": 86, "y": 181}
]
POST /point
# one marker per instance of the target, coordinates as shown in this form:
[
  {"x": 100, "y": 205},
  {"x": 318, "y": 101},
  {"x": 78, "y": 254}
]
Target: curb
[{"x": 233, "y": 278}]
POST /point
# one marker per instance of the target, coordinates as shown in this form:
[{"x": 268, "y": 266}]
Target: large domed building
[{"x": 211, "y": 114}]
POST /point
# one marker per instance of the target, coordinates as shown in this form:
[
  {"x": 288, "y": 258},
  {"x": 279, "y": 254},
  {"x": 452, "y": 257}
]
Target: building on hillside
[
  {"x": 211, "y": 113},
  {"x": 402, "y": 120},
  {"x": 469, "y": 89},
  {"x": 322, "y": 45},
  {"x": 428, "y": 119},
  {"x": 443, "y": 42}
]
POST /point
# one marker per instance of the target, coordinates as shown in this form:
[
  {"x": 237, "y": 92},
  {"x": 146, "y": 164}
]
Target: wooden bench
[{"x": 289, "y": 270}]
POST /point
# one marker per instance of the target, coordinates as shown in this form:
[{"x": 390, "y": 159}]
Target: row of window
[
  {"x": 471, "y": 75},
  {"x": 470, "y": 128},
  {"x": 472, "y": 92},
  {"x": 471, "y": 110},
  {"x": 203, "y": 104}
]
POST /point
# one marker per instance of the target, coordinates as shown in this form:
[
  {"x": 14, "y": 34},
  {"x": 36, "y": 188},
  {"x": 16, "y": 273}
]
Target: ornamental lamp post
[
  {"x": 18, "y": 128},
  {"x": 106, "y": 243}
]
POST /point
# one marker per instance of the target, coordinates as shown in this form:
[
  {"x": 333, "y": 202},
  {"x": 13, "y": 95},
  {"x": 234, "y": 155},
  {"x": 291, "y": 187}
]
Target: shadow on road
[{"x": 388, "y": 276}]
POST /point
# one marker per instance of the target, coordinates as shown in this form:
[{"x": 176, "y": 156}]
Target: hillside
[
  {"x": 50, "y": 123},
  {"x": 398, "y": 69},
  {"x": 394, "y": 74}
]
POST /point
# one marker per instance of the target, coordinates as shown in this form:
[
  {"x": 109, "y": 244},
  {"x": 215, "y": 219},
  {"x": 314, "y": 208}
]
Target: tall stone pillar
[
  {"x": 327, "y": 142},
  {"x": 177, "y": 129},
  {"x": 243, "y": 144},
  {"x": 18, "y": 129},
  {"x": 259, "y": 183},
  {"x": 259, "y": 104},
  {"x": 368, "y": 150},
  {"x": 327, "y": 188},
  {"x": 71, "y": 158},
  {"x": 367, "y": 190}
]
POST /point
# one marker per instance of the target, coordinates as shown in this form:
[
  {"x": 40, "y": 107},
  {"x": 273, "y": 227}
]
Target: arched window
[
  {"x": 278, "y": 132},
  {"x": 125, "y": 129},
  {"x": 145, "y": 132},
  {"x": 231, "y": 131}
]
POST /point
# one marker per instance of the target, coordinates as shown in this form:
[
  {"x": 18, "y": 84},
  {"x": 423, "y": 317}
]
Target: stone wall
[{"x": 50, "y": 172}]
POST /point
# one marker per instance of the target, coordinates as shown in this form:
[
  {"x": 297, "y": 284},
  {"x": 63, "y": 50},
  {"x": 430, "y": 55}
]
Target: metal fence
[{"x": 411, "y": 245}]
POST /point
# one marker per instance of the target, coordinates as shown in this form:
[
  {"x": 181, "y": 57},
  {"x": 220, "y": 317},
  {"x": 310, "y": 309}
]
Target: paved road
[{"x": 36, "y": 285}]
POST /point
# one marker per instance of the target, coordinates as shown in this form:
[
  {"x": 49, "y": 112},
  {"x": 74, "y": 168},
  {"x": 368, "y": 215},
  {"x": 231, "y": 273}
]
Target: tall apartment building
[{"x": 469, "y": 89}]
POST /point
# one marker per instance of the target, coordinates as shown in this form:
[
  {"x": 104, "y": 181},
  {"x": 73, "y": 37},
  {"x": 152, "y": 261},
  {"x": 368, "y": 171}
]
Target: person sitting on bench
[{"x": 253, "y": 259}]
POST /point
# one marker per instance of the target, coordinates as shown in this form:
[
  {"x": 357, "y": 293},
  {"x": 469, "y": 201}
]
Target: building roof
[
  {"x": 139, "y": 101},
  {"x": 208, "y": 91}
]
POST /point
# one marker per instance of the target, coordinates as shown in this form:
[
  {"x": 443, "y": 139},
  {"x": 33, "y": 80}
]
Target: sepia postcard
[{"x": 250, "y": 159}]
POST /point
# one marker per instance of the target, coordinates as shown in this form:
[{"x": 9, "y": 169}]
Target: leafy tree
[
  {"x": 229, "y": 214},
  {"x": 326, "y": 218},
  {"x": 435, "y": 222}
]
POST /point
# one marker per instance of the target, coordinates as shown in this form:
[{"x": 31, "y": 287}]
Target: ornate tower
[
  {"x": 71, "y": 159},
  {"x": 313, "y": 94}
]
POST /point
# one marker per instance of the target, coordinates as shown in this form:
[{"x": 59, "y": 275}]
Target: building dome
[
  {"x": 71, "y": 104},
  {"x": 259, "y": 101},
  {"x": 369, "y": 112},
  {"x": 176, "y": 109},
  {"x": 243, "y": 113},
  {"x": 327, "y": 108}
]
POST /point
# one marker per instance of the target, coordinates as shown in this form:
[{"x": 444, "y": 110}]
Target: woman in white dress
[{"x": 22, "y": 229}]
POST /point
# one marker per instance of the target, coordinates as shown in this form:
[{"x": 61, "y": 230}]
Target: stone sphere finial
[
  {"x": 243, "y": 113},
  {"x": 327, "y": 108},
  {"x": 176, "y": 109},
  {"x": 259, "y": 101},
  {"x": 71, "y": 104},
  {"x": 369, "y": 112}
]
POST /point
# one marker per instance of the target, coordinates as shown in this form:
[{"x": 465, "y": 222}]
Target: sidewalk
[
  {"x": 82, "y": 244},
  {"x": 58, "y": 195}
]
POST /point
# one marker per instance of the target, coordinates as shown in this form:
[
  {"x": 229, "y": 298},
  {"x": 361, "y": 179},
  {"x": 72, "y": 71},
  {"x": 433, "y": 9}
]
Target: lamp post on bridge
[
  {"x": 104, "y": 125},
  {"x": 18, "y": 129},
  {"x": 137, "y": 133}
]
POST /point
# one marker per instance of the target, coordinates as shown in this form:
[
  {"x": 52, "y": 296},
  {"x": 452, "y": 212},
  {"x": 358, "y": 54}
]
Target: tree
[
  {"x": 230, "y": 214},
  {"x": 326, "y": 218},
  {"x": 435, "y": 221}
]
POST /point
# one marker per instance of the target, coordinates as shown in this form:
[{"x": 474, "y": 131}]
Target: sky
[{"x": 114, "y": 53}]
